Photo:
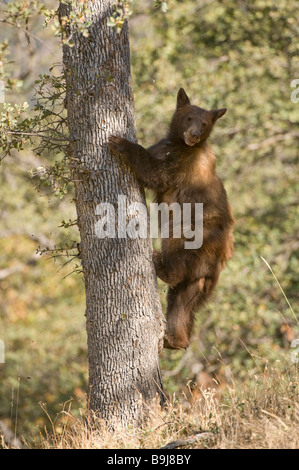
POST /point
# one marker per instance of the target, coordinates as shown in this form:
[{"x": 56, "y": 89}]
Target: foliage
[
  {"x": 121, "y": 12},
  {"x": 162, "y": 4}
]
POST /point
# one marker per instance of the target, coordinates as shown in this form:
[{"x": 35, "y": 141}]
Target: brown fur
[{"x": 181, "y": 168}]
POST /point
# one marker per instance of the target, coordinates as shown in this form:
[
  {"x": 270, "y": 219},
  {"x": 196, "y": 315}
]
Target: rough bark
[{"x": 124, "y": 320}]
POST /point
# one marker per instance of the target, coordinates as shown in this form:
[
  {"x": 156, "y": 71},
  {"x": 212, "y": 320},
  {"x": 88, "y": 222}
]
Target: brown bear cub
[{"x": 181, "y": 169}]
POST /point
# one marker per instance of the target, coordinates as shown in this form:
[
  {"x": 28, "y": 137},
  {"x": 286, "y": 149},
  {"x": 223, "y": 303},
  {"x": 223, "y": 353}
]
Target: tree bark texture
[{"x": 124, "y": 320}]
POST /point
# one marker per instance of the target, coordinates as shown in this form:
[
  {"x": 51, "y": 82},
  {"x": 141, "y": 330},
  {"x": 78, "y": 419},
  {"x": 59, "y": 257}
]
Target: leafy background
[{"x": 238, "y": 54}]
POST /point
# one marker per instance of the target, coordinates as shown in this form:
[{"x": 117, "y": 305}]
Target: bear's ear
[
  {"x": 218, "y": 113},
  {"x": 182, "y": 98}
]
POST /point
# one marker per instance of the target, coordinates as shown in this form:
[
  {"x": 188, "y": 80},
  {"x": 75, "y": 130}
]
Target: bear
[{"x": 181, "y": 168}]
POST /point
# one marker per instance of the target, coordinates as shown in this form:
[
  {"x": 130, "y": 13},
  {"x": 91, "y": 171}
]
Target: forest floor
[{"x": 259, "y": 414}]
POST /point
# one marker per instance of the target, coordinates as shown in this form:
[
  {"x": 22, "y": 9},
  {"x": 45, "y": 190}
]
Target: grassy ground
[
  {"x": 214, "y": 401},
  {"x": 261, "y": 413}
]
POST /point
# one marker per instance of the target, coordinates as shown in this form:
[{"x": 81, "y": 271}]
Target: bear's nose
[{"x": 195, "y": 135}]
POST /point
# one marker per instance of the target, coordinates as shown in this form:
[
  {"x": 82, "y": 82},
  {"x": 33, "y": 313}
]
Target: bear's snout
[{"x": 191, "y": 137}]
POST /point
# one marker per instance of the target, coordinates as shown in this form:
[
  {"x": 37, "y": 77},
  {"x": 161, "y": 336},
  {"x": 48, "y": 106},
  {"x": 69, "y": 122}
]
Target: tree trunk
[{"x": 124, "y": 320}]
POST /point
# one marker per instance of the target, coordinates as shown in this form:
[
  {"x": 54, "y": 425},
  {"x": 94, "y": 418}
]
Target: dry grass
[{"x": 261, "y": 413}]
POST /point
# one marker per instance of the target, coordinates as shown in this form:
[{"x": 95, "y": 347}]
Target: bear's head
[{"x": 191, "y": 124}]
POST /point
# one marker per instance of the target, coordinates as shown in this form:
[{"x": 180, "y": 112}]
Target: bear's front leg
[
  {"x": 168, "y": 274},
  {"x": 119, "y": 145},
  {"x": 149, "y": 171},
  {"x": 160, "y": 270}
]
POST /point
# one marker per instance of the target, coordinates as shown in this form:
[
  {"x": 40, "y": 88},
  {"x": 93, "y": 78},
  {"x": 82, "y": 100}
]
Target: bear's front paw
[
  {"x": 117, "y": 144},
  {"x": 157, "y": 257}
]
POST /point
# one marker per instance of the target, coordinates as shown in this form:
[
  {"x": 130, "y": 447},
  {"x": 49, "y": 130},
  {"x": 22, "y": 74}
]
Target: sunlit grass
[{"x": 262, "y": 413}]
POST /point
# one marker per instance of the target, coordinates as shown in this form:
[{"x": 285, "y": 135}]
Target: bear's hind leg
[{"x": 182, "y": 301}]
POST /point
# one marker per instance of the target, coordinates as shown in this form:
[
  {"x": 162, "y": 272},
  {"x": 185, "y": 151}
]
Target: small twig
[
  {"x": 272, "y": 140},
  {"x": 189, "y": 440},
  {"x": 27, "y": 33},
  {"x": 50, "y": 250},
  {"x": 4, "y": 273},
  {"x": 17, "y": 403},
  {"x": 68, "y": 261},
  {"x": 184, "y": 360},
  {"x": 9, "y": 436},
  {"x": 276, "y": 417},
  {"x": 36, "y": 134},
  {"x": 281, "y": 289}
]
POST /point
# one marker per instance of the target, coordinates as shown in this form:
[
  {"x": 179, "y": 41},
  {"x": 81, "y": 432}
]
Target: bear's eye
[
  {"x": 189, "y": 119},
  {"x": 204, "y": 125}
]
